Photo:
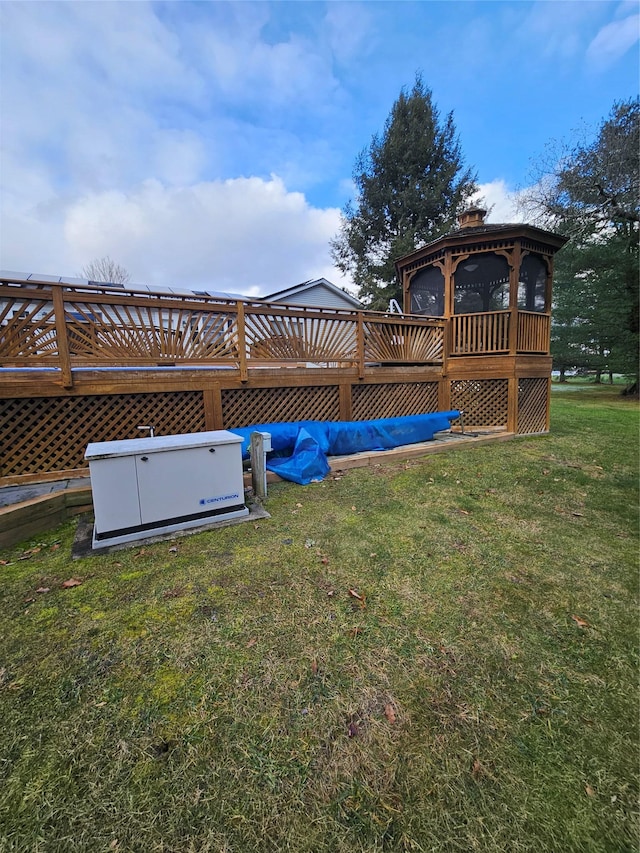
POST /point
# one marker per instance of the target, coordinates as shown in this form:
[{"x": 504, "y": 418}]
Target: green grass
[{"x": 225, "y": 692}]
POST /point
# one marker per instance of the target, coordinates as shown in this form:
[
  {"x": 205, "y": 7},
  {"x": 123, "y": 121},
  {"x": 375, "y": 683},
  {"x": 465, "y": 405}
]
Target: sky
[{"x": 211, "y": 145}]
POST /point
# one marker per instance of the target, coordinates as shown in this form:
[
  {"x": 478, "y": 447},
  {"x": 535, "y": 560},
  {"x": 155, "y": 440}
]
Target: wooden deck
[{"x": 94, "y": 363}]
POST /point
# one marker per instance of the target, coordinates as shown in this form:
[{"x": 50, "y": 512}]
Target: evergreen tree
[
  {"x": 411, "y": 185},
  {"x": 591, "y": 192}
]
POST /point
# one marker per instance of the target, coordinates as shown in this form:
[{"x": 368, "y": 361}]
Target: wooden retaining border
[
  {"x": 33, "y": 517},
  {"x": 23, "y": 520}
]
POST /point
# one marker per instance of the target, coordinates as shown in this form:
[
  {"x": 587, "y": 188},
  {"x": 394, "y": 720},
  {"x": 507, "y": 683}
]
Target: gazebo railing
[
  {"x": 488, "y": 333},
  {"x": 534, "y": 330},
  {"x": 473, "y": 334},
  {"x": 45, "y": 324}
]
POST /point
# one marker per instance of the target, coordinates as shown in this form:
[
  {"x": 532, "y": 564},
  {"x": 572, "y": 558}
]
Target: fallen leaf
[
  {"x": 478, "y": 771},
  {"x": 173, "y": 550},
  {"x": 353, "y": 730},
  {"x": 463, "y": 511},
  {"x": 252, "y": 642},
  {"x": 581, "y": 623},
  {"x": 299, "y": 506},
  {"x": 71, "y": 582},
  {"x": 99, "y": 704},
  {"x": 354, "y": 594},
  {"x": 578, "y": 514},
  {"x": 55, "y": 546},
  {"x": 29, "y": 600},
  {"x": 590, "y": 791},
  {"x": 331, "y": 593},
  {"x": 4, "y": 563},
  {"x": 140, "y": 552},
  {"x": 43, "y": 589},
  {"x": 36, "y": 550},
  {"x": 389, "y": 713},
  {"x": 353, "y": 508},
  {"x": 373, "y": 555},
  {"x": 324, "y": 560},
  {"x": 176, "y": 592},
  {"x": 354, "y": 631},
  {"x": 314, "y": 666}
]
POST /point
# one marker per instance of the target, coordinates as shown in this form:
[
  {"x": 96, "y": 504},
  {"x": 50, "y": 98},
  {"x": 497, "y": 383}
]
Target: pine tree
[{"x": 411, "y": 184}]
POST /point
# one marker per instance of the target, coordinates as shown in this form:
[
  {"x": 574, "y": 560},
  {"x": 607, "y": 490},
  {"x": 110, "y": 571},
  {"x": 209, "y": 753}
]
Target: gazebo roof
[{"x": 485, "y": 233}]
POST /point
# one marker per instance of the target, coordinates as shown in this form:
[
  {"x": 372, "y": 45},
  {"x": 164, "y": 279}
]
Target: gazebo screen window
[
  {"x": 532, "y": 284},
  {"x": 427, "y": 292},
  {"x": 481, "y": 283}
]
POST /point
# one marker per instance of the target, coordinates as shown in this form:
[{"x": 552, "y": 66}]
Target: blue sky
[{"x": 212, "y": 143}]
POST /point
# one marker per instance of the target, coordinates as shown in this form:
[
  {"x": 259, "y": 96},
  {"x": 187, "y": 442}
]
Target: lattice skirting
[
  {"x": 484, "y": 401},
  {"x": 246, "y": 406},
  {"x": 44, "y": 434},
  {"x": 393, "y": 401},
  {"x": 532, "y": 405}
]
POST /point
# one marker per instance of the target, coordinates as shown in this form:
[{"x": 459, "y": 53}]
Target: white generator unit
[{"x": 146, "y": 486}]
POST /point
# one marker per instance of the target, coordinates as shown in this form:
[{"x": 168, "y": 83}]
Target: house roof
[
  {"x": 309, "y": 285},
  {"x": 73, "y": 281}
]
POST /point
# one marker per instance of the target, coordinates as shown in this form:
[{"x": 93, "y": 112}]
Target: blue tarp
[{"x": 300, "y": 449}]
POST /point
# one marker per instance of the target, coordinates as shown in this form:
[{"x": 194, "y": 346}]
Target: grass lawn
[{"x": 437, "y": 655}]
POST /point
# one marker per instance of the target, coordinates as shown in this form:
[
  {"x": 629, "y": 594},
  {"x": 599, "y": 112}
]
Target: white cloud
[
  {"x": 500, "y": 201},
  {"x": 350, "y": 30},
  {"x": 614, "y": 40},
  {"x": 245, "y": 235}
]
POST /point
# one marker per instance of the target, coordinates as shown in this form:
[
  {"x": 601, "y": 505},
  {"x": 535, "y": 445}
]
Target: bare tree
[
  {"x": 590, "y": 185},
  {"x": 106, "y": 270}
]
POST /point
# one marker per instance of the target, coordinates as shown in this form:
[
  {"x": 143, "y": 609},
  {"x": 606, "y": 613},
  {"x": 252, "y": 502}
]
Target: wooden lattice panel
[
  {"x": 246, "y": 406},
  {"x": 45, "y": 434},
  {"x": 532, "y": 405},
  {"x": 393, "y": 401},
  {"x": 484, "y": 401},
  {"x": 403, "y": 342}
]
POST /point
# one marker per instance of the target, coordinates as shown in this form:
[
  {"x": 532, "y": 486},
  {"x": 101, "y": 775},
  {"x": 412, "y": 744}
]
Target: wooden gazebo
[{"x": 492, "y": 286}]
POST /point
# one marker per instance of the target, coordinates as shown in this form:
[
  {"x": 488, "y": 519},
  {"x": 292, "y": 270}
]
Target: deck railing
[
  {"x": 60, "y": 325},
  {"x": 46, "y": 324}
]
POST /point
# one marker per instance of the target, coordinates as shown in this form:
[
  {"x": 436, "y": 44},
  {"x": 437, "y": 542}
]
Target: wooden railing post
[
  {"x": 62, "y": 340},
  {"x": 360, "y": 345},
  {"x": 514, "y": 278},
  {"x": 242, "y": 341}
]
